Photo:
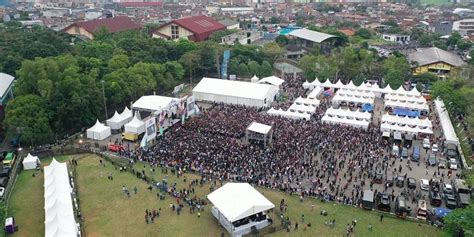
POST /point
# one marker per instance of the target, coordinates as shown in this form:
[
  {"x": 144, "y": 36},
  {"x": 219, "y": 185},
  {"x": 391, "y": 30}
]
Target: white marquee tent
[
  {"x": 345, "y": 121},
  {"x": 58, "y": 207},
  {"x": 30, "y": 162},
  {"x": 364, "y": 87},
  {"x": 272, "y": 80},
  {"x": 236, "y": 201},
  {"x": 407, "y": 105},
  {"x": 288, "y": 114},
  {"x": 412, "y": 99},
  {"x": 402, "y": 121},
  {"x": 98, "y": 132},
  {"x": 259, "y": 128},
  {"x": 127, "y": 114},
  {"x": 307, "y": 101},
  {"x": 135, "y": 126},
  {"x": 116, "y": 122},
  {"x": 235, "y": 92},
  {"x": 315, "y": 92},
  {"x": 302, "y": 108},
  {"x": 338, "y": 98},
  {"x": 347, "y": 113},
  {"x": 393, "y": 127},
  {"x": 154, "y": 103},
  {"x": 448, "y": 129}
]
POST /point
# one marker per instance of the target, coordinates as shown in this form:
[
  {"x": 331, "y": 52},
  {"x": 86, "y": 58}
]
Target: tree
[
  {"x": 464, "y": 44},
  {"x": 243, "y": 70},
  {"x": 281, "y": 40},
  {"x": 300, "y": 21},
  {"x": 191, "y": 61},
  {"x": 273, "y": 51},
  {"x": 28, "y": 114},
  {"x": 364, "y": 33},
  {"x": 254, "y": 68},
  {"x": 233, "y": 66},
  {"x": 396, "y": 70},
  {"x": 118, "y": 62},
  {"x": 393, "y": 78},
  {"x": 308, "y": 64},
  {"x": 265, "y": 69},
  {"x": 453, "y": 39}
]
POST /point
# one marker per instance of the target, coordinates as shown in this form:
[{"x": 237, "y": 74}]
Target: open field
[
  {"x": 108, "y": 212},
  {"x": 435, "y": 2}
]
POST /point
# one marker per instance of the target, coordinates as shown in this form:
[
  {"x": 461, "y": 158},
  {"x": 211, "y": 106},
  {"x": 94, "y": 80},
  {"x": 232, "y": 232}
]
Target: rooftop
[
  {"x": 311, "y": 35},
  {"x": 432, "y": 55},
  {"x": 114, "y": 24}
]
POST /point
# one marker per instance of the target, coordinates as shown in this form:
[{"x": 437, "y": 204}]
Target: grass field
[
  {"x": 435, "y": 2},
  {"x": 107, "y": 212}
]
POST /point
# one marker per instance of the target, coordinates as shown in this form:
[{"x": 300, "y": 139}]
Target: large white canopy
[
  {"x": 391, "y": 127},
  {"x": 405, "y": 98},
  {"x": 347, "y": 113},
  {"x": 407, "y": 121},
  {"x": 234, "y": 92},
  {"x": 445, "y": 121},
  {"x": 30, "y": 162},
  {"x": 236, "y": 201},
  {"x": 302, "y": 108},
  {"x": 98, "y": 132},
  {"x": 345, "y": 121},
  {"x": 58, "y": 207},
  {"x": 154, "y": 103},
  {"x": 307, "y": 101},
  {"x": 135, "y": 126},
  {"x": 127, "y": 114},
  {"x": 259, "y": 128},
  {"x": 272, "y": 80},
  {"x": 338, "y": 98},
  {"x": 365, "y": 87}
]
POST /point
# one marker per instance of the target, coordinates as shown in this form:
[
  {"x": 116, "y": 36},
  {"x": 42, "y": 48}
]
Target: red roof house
[
  {"x": 194, "y": 28},
  {"x": 113, "y": 25}
]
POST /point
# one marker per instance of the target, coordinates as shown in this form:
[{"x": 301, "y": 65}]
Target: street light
[{"x": 103, "y": 94}]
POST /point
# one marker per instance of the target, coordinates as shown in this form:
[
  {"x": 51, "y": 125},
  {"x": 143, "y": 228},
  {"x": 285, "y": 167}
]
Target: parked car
[
  {"x": 452, "y": 151},
  {"x": 426, "y": 143},
  {"x": 383, "y": 202},
  {"x": 453, "y": 164},
  {"x": 448, "y": 188},
  {"x": 434, "y": 148},
  {"x": 435, "y": 185},
  {"x": 442, "y": 163},
  {"x": 378, "y": 179},
  {"x": 395, "y": 151},
  {"x": 432, "y": 159},
  {"x": 5, "y": 172},
  {"x": 451, "y": 201},
  {"x": 400, "y": 181},
  {"x": 424, "y": 184},
  {"x": 411, "y": 183},
  {"x": 435, "y": 199},
  {"x": 416, "y": 153},
  {"x": 3, "y": 181},
  {"x": 422, "y": 212},
  {"x": 404, "y": 153}
]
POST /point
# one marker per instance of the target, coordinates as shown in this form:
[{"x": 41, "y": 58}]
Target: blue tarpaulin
[
  {"x": 406, "y": 112},
  {"x": 328, "y": 92},
  {"x": 367, "y": 107},
  {"x": 441, "y": 212}
]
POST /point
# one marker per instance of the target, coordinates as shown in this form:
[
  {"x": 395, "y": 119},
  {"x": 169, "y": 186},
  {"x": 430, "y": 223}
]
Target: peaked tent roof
[
  {"x": 239, "y": 200},
  {"x": 98, "y": 127},
  {"x": 311, "y": 35},
  {"x": 115, "y": 118},
  {"x": 432, "y": 55},
  {"x": 126, "y": 113},
  {"x": 114, "y": 24},
  {"x": 259, "y": 128},
  {"x": 136, "y": 122},
  {"x": 30, "y": 157},
  {"x": 273, "y": 80}
]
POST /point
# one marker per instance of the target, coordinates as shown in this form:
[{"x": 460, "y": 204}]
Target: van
[
  {"x": 404, "y": 153},
  {"x": 421, "y": 212},
  {"x": 416, "y": 153},
  {"x": 395, "y": 151}
]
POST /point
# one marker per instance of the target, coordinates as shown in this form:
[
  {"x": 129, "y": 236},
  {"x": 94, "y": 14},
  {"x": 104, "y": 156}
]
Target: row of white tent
[
  {"x": 332, "y": 112},
  {"x": 407, "y": 105},
  {"x": 338, "y": 98},
  {"x": 446, "y": 125},
  {"x": 412, "y": 99},
  {"x": 364, "y": 87},
  {"x": 117, "y": 121},
  {"x": 405, "y": 129},
  {"x": 347, "y": 117},
  {"x": 352, "y": 93},
  {"x": 58, "y": 206},
  {"x": 288, "y": 114},
  {"x": 133, "y": 125},
  {"x": 407, "y": 121}
]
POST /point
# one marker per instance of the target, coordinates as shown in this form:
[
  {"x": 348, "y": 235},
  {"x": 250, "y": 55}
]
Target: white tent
[
  {"x": 116, "y": 122},
  {"x": 407, "y": 105},
  {"x": 234, "y": 92},
  {"x": 306, "y": 85},
  {"x": 345, "y": 121},
  {"x": 30, "y": 162},
  {"x": 272, "y": 80},
  {"x": 135, "y": 126},
  {"x": 98, "y": 132},
  {"x": 127, "y": 114},
  {"x": 301, "y": 108},
  {"x": 288, "y": 114},
  {"x": 307, "y": 101},
  {"x": 254, "y": 79},
  {"x": 448, "y": 129},
  {"x": 259, "y": 128},
  {"x": 236, "y": 201},
  {"x": 315, "y": 92},
  {"x": 58, "y": 206}
]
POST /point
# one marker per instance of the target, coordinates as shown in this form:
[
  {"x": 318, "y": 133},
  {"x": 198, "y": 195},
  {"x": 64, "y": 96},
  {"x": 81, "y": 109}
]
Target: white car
[
  {"x": 434, "y": 148},
  {"x": 453, "y": 164},
  {"x": 2, "y": 191},
  {"x": 424, "y": 184},
  {"x": 426, "y": 143}
]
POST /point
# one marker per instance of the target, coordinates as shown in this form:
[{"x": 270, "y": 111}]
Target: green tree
[
  {"x": 118, "y": 61},
  {"x": 233, "y": 66},
  {"x": 265, "y": 69},
  {"x": 272, "y": 51},
  {"x": 364, "y": 33},
  {"x": 254, "y": 68},
  {"x": 28, "y": 115},
  {"x": 243, "y": 70},
  {"x": 453, "y": 39},
  {"x": 190, "y": 60}
]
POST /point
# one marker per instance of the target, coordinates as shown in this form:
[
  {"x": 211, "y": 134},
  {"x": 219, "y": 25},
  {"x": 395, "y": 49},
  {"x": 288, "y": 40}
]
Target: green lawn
[
  {"x": 107, "y": 212},
  {"x": 27, "y": 202},
  {"x": 435, "y": 2}
]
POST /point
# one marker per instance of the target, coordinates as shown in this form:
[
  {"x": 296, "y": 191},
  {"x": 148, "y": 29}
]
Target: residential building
[
  {"x": 194, "y": 28},
  {"x": 465, "y": 27},
  {"x": 87, "y": 29},
  {"x": 402, "y": 39},
  {"x": 306, "y": 40},
  {"x": 230, "y": 24},
  {"x": 434, "y": 60},
  {"x": 441, "y": 27},
  {"x": 237, "y": 10},
  {"x": 243, "y": 37}
]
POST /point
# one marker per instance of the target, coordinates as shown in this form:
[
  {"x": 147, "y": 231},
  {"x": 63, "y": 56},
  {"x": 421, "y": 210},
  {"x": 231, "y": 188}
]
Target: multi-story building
[
  {"x": 465, "y": 27},
  {"x": 434, "y": 60},
  {"x": 194, "y": 28}
]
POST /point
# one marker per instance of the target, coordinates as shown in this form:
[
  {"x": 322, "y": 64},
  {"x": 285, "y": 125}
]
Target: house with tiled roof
[
  {"x": 194, "y": 28},
  {"x": 434, "y": 60},
  {"x": 87, "y": 29}
]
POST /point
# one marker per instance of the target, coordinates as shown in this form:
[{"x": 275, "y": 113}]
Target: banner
[{"x": 150, "y": 127}]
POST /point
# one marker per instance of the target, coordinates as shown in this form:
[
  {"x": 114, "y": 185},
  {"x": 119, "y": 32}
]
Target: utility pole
[{"x": 103, "y": 94}]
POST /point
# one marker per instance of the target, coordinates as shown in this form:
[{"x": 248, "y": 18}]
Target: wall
[
  {"x": 434, "y": 66},
  {"x": 75, "y": 30},
  {"x": 183, "y": 33}
]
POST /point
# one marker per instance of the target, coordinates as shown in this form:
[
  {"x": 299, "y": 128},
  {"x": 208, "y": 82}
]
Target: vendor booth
[
  {"x": 136, "y": 126},
  {"x": 98, "y": 132},
  {"x": 30, "y": 162},
  {"x": 239, "y": 207}
]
